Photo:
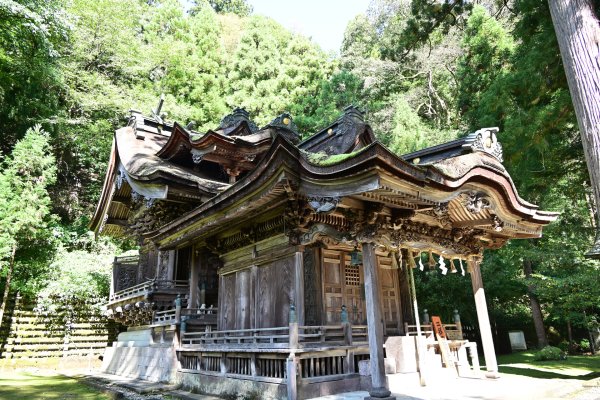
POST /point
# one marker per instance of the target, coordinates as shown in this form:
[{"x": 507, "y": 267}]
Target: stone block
[
  {"x": 390, "y": 365},
  {"x": 517, "y": 340},
  {"x": 364, "y": 367},
  {"x": 137, "y": 338},
  {"x": 403, "y": 350}
]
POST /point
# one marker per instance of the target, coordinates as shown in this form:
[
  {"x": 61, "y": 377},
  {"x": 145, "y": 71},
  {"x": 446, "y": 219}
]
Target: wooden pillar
[
  {"x": 405, "y": 294},
  {"x": 291, "y": 364},
  {"x": 299, "y": 285},
  {"x": 483, "y": 318},
  {"x": 113, "y": 282},
  {"x": 194, "y": 273},
  {"x": 171, "y": 265},
  {"x": 375, "y": 324}
]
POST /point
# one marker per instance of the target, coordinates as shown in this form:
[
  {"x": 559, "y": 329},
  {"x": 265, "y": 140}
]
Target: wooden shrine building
[{"x": 273, "y": 264}]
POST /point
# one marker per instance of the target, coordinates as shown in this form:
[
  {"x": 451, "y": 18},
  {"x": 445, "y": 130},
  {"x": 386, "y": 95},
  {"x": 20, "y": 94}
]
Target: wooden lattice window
[{"x": 352, "y": 275}]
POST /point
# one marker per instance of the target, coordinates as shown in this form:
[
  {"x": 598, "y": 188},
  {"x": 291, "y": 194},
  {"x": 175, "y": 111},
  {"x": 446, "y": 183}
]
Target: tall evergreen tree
[{"x": 24, "y": 200}]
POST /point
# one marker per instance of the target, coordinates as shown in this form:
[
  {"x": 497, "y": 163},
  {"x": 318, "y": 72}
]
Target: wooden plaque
[{"x": 438, "y": 328}]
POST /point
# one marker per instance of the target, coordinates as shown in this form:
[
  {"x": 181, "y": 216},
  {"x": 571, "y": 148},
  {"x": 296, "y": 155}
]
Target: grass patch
[
  {"x": 574, "y": 367},
  {"x": 23, "y": 385}
]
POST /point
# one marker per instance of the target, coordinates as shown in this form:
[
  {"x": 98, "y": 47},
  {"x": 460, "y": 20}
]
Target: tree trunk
[
  {"x": 7, "y": 284},
  {"x": 536, "y": 310},
  {"x": 578, "y": 33},
  {"x": 569, "y": 333}
]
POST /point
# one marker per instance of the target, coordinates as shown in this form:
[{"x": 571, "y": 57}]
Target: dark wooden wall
[{"x": 257, "y": 296}]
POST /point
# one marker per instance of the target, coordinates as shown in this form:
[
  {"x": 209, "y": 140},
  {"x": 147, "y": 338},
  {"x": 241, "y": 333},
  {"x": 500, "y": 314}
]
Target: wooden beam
[
  {"x": 194, "y": 272},
  {"x": 475, "y": 222},
  {"x": 348, "y": 202},
  {"x": 122, "y": 200},
  {"x": 117, "y": 222}
]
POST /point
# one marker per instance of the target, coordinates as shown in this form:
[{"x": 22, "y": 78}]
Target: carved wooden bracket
[
  {"x": 476, "y": 202},
  {"x": 322, "y": 204}
]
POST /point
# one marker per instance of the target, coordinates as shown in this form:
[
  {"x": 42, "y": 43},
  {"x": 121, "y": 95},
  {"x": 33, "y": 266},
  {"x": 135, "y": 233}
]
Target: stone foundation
[
  {"x": 136, "y": 354},
  {"x": 220, "y": 385}
]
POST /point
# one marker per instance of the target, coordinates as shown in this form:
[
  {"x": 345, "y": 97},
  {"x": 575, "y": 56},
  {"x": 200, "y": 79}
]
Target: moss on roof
[{"x": 323, "y": 160}]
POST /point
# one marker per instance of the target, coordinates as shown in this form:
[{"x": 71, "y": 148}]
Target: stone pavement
[{"x": 507, "y": 387}]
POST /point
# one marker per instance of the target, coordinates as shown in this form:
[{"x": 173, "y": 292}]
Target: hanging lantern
[
  {"x": 431, "y": 260},
  {"x": 355, "y": 257},
  {"x": 394, "y": 260},
  {"x": 411, "y": 260}
]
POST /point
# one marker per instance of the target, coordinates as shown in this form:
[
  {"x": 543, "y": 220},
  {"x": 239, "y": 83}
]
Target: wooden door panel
[
  {"x": 355, "y": 292},
  {"x": 389, "y": 282},
  {"x": 332, "y": 286}
]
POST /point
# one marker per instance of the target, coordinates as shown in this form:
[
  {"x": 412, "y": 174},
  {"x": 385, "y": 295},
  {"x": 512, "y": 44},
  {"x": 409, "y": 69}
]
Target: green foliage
[
  {"x": 410, "y": 132},
  {"x": 488, "y": 48},
  {"x": 425, "y": 20},
  {"x": 584, "y": 345},
  {"x": 238, "y": 7},
  {"x": 457, "y": 294},
  {"x": 312, "y": 113},
  {"x": 24, "y": 201},
  {"x": 80, "y": 276},
  {"x": 186, "y": 61},
  {"x": 360, "y": 39},
  {"x": 273, "y": 69},
  {"x": 550, "y": 353},
  {"x": 32, "y": 37},
  {"x": 26, "y": 241},
  {"x": 422, "y": 72}
]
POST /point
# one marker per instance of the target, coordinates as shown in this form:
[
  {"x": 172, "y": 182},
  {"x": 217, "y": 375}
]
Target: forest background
[{"x": 423, "y": 72}]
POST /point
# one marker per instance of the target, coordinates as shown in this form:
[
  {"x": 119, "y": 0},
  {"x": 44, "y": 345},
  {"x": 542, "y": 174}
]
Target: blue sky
[{"x": 322, "y": 20}]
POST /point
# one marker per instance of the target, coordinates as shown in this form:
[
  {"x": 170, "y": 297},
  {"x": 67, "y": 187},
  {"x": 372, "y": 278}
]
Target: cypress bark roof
[{"x": 344, "y": 160}]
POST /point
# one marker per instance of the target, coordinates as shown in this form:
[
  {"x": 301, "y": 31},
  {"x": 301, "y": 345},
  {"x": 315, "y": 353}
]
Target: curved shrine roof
[{"x": 340, "y": 167}]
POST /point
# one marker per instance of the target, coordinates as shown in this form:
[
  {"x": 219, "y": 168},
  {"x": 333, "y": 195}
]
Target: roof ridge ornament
[
  {"x": 286, "y": 122},
  {"x": 354, "y": 113},
  {"x": 156, "y": 112},
  {"x": 235, "y": 118},
  {"x": 485, "y": 140}
]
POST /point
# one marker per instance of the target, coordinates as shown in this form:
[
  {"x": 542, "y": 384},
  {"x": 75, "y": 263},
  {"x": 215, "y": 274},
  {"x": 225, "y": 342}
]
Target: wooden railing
[
  {"x": 275, "y": 367},
  {"x": 149, "y": 286},
  {"x": 332, "y": 334},
  {"x": 170, "y": 316},
  {"x": 257, "y": 338},
  {"x": 453, "y": 331},
  {"x": 127, "y": 259},
  {"x": 286, "y": 337}
]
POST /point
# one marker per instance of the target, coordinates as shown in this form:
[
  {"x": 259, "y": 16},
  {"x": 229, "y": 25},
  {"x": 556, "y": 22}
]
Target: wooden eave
[
  {"x": 260, "y": 186},
  {"x": 366, "y": 172},
  {"x": 177, "y": 186},
  {"x": 178, "y": 145},
  {"x": 488, "y": 175},
  {"x": 231, "y": 151},
  {"x": 283, "y": 166},
  {"x": 107, "y": 191}
]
